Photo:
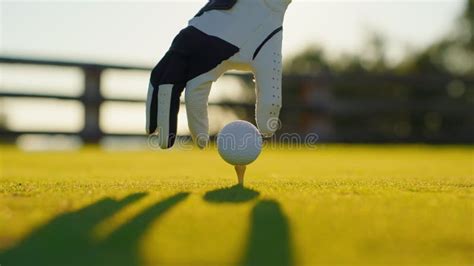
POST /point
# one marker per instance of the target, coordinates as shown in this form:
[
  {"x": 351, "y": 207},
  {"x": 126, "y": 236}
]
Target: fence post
[{"x": 92, "y": 100}]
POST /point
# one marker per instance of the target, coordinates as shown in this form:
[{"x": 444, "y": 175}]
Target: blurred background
[{"x": 354, "y": 71}]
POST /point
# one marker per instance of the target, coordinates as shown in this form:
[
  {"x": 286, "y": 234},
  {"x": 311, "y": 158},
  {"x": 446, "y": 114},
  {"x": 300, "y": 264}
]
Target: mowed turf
[{"x": 333, "y": 204}]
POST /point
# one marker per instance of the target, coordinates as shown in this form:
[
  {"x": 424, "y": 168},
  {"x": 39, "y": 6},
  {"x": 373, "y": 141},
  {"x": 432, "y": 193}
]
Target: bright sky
[{"x": 139, "y": 32}]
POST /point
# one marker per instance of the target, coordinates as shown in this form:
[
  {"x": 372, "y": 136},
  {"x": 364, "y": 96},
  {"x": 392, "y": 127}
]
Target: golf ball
[{"x": 239, "y": 143}]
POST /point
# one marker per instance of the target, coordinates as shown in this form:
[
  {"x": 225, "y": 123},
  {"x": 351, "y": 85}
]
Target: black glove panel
[
  {"x": 203, "y": 52},
  {"x": 217, "y": 5},
  {"x": 192, "y": 53}
]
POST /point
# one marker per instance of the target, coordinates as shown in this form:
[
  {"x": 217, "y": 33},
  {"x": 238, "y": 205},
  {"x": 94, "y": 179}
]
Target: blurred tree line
[
  {"x": 428, "y": 95},
  {"x": 452, "y": 55}
]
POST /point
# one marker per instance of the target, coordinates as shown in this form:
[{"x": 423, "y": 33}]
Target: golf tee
[{"x": 240, "y": 170}]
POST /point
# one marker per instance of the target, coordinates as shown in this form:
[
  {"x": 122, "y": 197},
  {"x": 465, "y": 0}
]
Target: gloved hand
[{"x": 224, "y": 35}]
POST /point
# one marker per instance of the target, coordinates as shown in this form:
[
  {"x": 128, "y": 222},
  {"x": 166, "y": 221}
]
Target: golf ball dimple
[{"x": 239, "y": 143}]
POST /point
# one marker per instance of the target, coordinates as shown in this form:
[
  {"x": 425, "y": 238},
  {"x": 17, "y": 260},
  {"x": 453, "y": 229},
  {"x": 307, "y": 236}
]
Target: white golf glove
[{"x": 224, "y": 35}]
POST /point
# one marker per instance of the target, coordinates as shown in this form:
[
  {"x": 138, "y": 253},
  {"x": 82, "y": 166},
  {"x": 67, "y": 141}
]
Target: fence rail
[
  {"x": 91, "y": 98},
  {"x": 295, "y": 106}
]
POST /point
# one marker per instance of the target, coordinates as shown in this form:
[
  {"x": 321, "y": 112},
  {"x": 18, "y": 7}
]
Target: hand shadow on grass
[
  {"x": 269, "y": 238},
  {"x": 234, "y": 194},
  {"x": 66, "y": 240},
  {"x": 269, "y": 241}
]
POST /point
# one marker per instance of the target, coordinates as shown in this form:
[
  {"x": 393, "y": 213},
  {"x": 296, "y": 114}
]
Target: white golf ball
[{"x": 239, "y": 143}]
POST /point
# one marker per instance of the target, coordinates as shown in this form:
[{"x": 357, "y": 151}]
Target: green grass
[{"x": 336, "y": 204}]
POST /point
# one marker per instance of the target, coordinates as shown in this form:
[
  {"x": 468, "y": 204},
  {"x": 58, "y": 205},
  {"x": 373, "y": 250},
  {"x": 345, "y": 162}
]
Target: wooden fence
[{"x": 342, "y": 117}]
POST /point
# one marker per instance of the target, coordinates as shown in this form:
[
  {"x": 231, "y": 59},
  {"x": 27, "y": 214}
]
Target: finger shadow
[
  {"x": 122, "y": 246},
  {"x": 66, "y": 237},
  {"x": 269, "y": 238},
  {"x": 234, "y": 194}
]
